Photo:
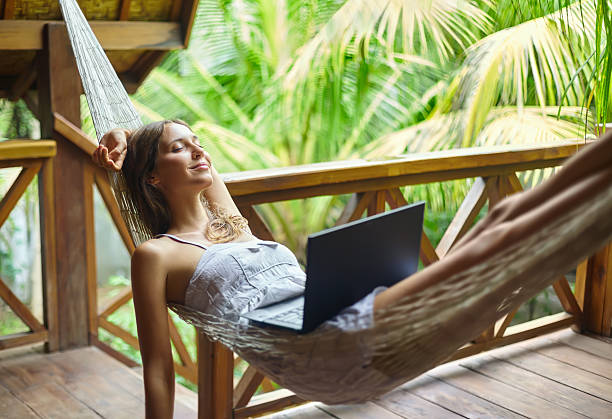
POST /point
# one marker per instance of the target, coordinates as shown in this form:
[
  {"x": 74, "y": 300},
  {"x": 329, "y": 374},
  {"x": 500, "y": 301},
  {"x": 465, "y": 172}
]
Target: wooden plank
[
  {"x": 367, "y": 410},
  {"x": 12, "y": 407},
  {"x": 518, "y": 400},
  {"x": 113, "y": 353},
  {"x": 455, "y": 399},
  {"x": 58, "y": 92},
  {"x": 465, "y": 216},
  {"x": 251, "y": 379},
  {"x": 584, "y": 343},
  {"x": 427, "y": 253},
  {"x": 74, "y": 134},
  {"x": 189, "y": 8},
  {"x": 51, "y": 400},
  {"x": 581, "y": 359},
  {"x": 90, "y": 249},
  {"x": 205, "y": 376},
  {"x": 112, "y": 206},
  {"x": 119, "y": 36},
  {"x": 457, "y": 164},
  {"x": 20, "y": 309},
  {"x": 502, "y": 324},
  {"x": 566, "y": 297},
  {"x": 560, "y": 394},
  {"x": 183, "y": 354},
  {"x": 21, "y": 339},
  {"x": 17, "y": 189},
  {"x": 28, "y": 371},
  {"x": 222, "y": 381},
  {"x": 46, "y": 198},
  {"x": 408, "y": 405},
  {"x": 577, "y": 378},
  {"x": 119, "y": 300},
  {"x": 518, "y": 333},
  {"x": 306, "y": 411},
  {"x": 363, "y": 203},
  {"x": 143, "y": 66},
  {"x": 124, "y": 10},
  {"x": 381, "y": 201},
  {"x": 119, "y": 332},
  {"x": 268, "y": 402},
  {"x": 175, "y": 12},
  {"x": 9, "y": 9},
  {"x": 592, "y": 290}
]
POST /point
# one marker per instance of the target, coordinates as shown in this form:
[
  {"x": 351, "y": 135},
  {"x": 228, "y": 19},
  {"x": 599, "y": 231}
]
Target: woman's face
[{"x": 181, "y": 162}]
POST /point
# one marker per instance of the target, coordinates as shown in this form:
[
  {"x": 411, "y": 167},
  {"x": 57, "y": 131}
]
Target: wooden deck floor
[{"x": 561, "y": 375}]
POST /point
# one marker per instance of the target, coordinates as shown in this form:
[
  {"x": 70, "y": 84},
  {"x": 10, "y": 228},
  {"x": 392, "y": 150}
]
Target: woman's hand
[{"x": 112, "y": 149}]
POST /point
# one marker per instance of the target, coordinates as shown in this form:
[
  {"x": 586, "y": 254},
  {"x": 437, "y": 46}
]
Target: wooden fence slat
[
  {"x": 17, "y": 189},
  {"x": 566, "y": 297},
  {"x": 20, "y": 309},
  {"x": 362, "y": 205},
  {"x": 251, "y": 379},
  {"x": 427, "y": 254},
  {"x": 46, "y": 196},
  {"x": 268, "y": 402},
  {"x": 183, "y": 354},
  {"x": 21, "y": 339},
  {"x": 465, "y": 216},
  {"x": 119, "y": 332},
  {"x": 348, "y": 210},
  {"x": 123, "y": 297},
  {"x": 90, "y": 249},
  {"x": 502, "y": 324}
]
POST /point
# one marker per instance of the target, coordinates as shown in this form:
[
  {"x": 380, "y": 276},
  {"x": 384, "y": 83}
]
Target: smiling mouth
[{"x": 200, "y": 166}]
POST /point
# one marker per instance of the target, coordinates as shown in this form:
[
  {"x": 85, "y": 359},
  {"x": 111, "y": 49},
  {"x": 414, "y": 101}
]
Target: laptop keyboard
[{"x": 293, "y": 316}]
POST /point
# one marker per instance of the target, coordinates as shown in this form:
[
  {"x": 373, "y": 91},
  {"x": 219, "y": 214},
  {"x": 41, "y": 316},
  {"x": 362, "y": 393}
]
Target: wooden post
[
  {"x": 594, "y": 292},
  {"x": 215, "y": 379},
  {"x": 59, "y": 91}
]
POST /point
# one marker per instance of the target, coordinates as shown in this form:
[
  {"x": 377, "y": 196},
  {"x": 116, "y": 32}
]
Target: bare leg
[{"x": 583, "y": 176}]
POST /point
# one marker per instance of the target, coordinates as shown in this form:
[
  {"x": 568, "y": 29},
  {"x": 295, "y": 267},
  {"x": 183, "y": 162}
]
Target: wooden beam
[
  {"x": 21, "y": 339},
  {"x": 27, "y": 149},
  {"x": 73, "y": 133},
  {"x": 27, "y": 35},
  {"x": 407, "y": 170},
  {"x": 9, "y": 9},
  {"x": 251, "y": 379},
  {"x": 46, "y": 204},
  {"x": 465, "y": 216},
  {"x": 215, "y": 379},
  {"x": 20, "y": 309},
  {"x": 256, "y": 223},
  {"x": 17, "y": 189},
  {"x": 189, "y": 8},
  {"x": 176, "y": 10},
  {"x": 119, "y": 332},
  {"x": 90, "y": 250},
  {"x": 144, "y": 65},
  {"x": 59, "y": 91},
  {"x": 124, "y": 10},
  {"x": 268, "y": 402},
  {"x": 119, "y": 300}
]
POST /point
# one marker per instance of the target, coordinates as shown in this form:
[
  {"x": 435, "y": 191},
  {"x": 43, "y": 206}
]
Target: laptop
[{"x": 346, "y": 263}]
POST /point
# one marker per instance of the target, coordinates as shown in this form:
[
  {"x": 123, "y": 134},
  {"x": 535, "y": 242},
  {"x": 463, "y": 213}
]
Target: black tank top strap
[{"x": 178, "y": 239}]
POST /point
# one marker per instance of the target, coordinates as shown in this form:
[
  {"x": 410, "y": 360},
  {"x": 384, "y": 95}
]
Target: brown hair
[{"x": 140, "y": 160}]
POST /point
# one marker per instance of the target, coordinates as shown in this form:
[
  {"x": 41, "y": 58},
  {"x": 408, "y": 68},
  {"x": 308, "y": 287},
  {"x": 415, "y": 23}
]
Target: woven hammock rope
[{"x": 409, "y": 338}]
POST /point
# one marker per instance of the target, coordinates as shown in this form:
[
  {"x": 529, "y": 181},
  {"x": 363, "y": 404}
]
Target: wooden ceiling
[{"x": 135, "y": 34}]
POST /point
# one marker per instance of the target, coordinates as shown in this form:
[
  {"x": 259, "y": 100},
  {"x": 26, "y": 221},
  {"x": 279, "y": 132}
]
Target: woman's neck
[{"x": 188, "y": 215}]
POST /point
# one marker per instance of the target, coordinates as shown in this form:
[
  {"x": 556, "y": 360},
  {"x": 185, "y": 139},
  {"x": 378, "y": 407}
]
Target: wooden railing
[
  {"x": 374, "y": 186},
  {"x": 35, "y": 157}
]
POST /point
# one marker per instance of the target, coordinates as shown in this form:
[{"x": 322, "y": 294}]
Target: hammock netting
[{"x": 420, "y": 332}]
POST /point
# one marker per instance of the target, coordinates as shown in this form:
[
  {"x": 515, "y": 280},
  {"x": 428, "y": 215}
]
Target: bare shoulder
[{"x": 150, "y": 259}]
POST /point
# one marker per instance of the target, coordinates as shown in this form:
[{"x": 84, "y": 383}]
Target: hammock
[{"x": 408, "y": 338}]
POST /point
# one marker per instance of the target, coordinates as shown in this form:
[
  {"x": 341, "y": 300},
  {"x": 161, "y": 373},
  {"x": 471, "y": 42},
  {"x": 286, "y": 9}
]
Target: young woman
[{"x": 204, "y": 256}]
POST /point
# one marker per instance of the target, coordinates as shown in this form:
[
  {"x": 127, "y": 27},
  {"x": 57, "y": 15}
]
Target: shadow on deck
[
  {"x": 558, "y": 375},
  {"x": 561, "y": 375}
]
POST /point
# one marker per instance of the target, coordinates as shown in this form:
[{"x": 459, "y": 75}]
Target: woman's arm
[{"x": 149, "y": 290}]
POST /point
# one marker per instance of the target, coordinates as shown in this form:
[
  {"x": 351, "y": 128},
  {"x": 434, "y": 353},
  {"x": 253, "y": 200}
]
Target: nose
[{"x": 197, "y": 154}]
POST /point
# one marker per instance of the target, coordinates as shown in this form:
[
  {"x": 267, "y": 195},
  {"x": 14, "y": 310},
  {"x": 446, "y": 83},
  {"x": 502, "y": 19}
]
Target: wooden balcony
[
  {"x": 73, "y": 318},
  {"x": 560, "y": 375}
]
